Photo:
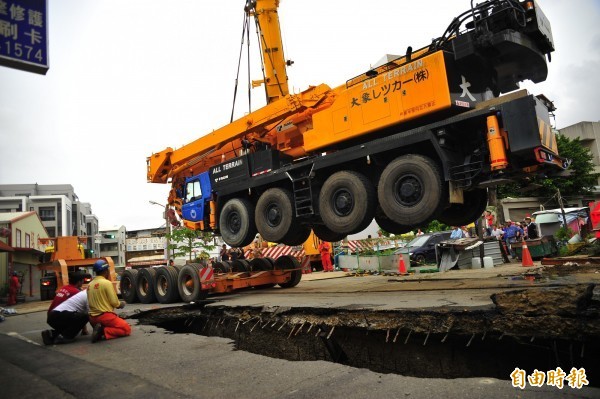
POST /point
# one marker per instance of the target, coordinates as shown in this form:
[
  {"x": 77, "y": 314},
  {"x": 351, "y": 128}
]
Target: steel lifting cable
[
  {"x": 237, "y": 76},
  {"x": 248, "y": 62}
]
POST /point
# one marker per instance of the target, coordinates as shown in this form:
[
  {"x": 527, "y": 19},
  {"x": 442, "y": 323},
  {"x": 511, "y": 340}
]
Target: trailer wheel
[
  {"x": 410, "y": 190},
  {"x": 474, "y": 204},
  {"x": 165, "y": 289},
  {"x": 275, "y": 217},
  {"x": 298, "y": 236},
  {"x": 271, "y": 267},
  {"x": 188, "y": 283},
  {"x": 260, "y": 264},
  {"x": 388, "y": 224},
  {"x": 288, "y": 262},
  {"x": 145, "y": 285},
  {"x": 127, "y": 285},
  {"x": 240, "y": 266},
  {"x": 222, "y": 267},
  {"x": 326, "y": 234},
  {"x": 347, "y": 202},
  {"x": 236, "y": 222}
]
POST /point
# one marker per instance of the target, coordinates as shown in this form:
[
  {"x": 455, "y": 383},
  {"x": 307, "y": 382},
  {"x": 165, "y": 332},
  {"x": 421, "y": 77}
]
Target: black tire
[
  {"x": 240, "y": 266},
  {"x": 288, "y": 262},
  {"x": 165, "y": 288},
  {"x": 260, "y": 264},
  {"x": 388, "y": 225},
  {"x": 275, "y": 216},
  {"x": 145, "y": 285},
  {"x": 298, "y": 236},
  {"x": 474, "y": 204},
  {"x": 178, "y": 268},
  {"x": 347, "y": 202},
  {"x": 325, "y": 234},
  {"x": 272, "y": 267},
  {"x": 222, "y": 267},
  {"x": 236, "y": 222},
  {"x": 127, "y": 285},
  {"x": 411, "y": 190},
  {"x": 188, "y": 283},
  {"x": 419, "y": 260}
]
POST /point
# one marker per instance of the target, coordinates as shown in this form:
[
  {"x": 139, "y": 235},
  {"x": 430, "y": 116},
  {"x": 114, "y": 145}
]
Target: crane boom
[{"x": 269, "y": 31}]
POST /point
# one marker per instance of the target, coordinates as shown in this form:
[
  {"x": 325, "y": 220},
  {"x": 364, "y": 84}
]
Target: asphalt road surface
[{"x": 153, "y": 363}]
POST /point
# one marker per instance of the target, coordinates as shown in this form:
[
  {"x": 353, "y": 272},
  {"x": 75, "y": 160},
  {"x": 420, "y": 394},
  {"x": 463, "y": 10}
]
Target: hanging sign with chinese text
[{"x": 24, "y": 35}]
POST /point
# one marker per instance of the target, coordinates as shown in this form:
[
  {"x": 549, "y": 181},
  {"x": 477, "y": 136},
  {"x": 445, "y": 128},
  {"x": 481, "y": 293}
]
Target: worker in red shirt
[
  {"x": 13, "y": 288},
  {"x": 325, "y": 250},
  {"x": 67, "y": 291}
]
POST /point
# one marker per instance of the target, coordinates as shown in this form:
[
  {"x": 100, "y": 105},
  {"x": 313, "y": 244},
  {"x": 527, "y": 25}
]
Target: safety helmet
[{"x": 100, "y": 266}]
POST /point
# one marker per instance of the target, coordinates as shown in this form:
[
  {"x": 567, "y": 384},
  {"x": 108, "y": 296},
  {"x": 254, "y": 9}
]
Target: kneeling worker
[
  {"x": 67, "y": 320},
  {"x": 103, "y": 300}
]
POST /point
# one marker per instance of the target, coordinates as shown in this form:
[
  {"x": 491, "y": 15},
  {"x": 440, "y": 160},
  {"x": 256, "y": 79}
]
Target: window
[
  {"x": 18, "y": 239},
  {"x": 51, "y": 231},
  {"x": 193, "y": 191},
  {"x": 47, "y": 213},
  {"x": 27, "y": 241}
]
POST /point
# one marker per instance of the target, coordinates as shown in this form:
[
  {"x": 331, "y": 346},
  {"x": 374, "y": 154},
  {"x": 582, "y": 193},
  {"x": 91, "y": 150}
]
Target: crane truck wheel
[
  {"x": 325, "y": 234},
  {"x": 347, "y": 202},
  {"x": 128, "y": 283},
  {"x": 188, "y": 283},
  {"x": 387, "y": 224},
  {"x": 236, "y": 222},
  {"x": 288, "y": 262},
  {"x": 474, "y": 204},
  {"x": 410, "y": 190},
  {"x": 145, "y": 285},
  {"x": 275, "y": 216},
  {"x": 165, "y": 289},
  {"x": 297, "y": 236}
]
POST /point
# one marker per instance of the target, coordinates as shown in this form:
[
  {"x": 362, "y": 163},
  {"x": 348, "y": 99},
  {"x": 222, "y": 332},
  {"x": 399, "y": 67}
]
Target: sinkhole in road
[{"x": 420, "y": 344}]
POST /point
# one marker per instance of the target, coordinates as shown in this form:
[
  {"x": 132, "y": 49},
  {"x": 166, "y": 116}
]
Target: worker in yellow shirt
[{"x": 103, "y": 300}]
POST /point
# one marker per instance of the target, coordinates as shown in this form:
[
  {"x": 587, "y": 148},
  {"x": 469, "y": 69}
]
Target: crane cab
[{"x": 196, "y": 197}]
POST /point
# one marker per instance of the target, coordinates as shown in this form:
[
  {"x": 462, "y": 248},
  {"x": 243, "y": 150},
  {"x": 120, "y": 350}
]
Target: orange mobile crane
[
  {"x": 64, "y": 255},
  {"x": 418, "y": 138}
]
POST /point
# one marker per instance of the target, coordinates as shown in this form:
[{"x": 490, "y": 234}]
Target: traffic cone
[
  {"x": 526, "y": 256},
  {"x": 401, "y": 266}
]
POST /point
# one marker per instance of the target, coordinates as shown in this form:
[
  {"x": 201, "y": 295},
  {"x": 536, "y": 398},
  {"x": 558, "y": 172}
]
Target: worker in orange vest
[{"x": 325, "y": 250}]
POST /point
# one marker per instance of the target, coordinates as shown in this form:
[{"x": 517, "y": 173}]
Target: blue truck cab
[{"x": 197, "y": 194}]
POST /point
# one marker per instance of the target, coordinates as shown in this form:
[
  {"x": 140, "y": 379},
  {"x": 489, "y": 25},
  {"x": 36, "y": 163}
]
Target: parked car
[{"x": 421, "y": 249}]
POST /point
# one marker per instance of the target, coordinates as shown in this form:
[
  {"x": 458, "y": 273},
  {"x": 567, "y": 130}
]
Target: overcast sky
[{"x": 129, "y": 78}]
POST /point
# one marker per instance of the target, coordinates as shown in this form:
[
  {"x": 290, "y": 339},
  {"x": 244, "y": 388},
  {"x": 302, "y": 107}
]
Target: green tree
[
  {"x": 184, "y": 241},
  {"x": 580, "y": 179},
  {"x": 432, "y": 226}
]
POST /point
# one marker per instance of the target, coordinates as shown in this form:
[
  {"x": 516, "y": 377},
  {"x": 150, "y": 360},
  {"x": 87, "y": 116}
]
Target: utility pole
[
  {"x": 562, "y": 208},
  {"x": 167, "y": 228}
]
